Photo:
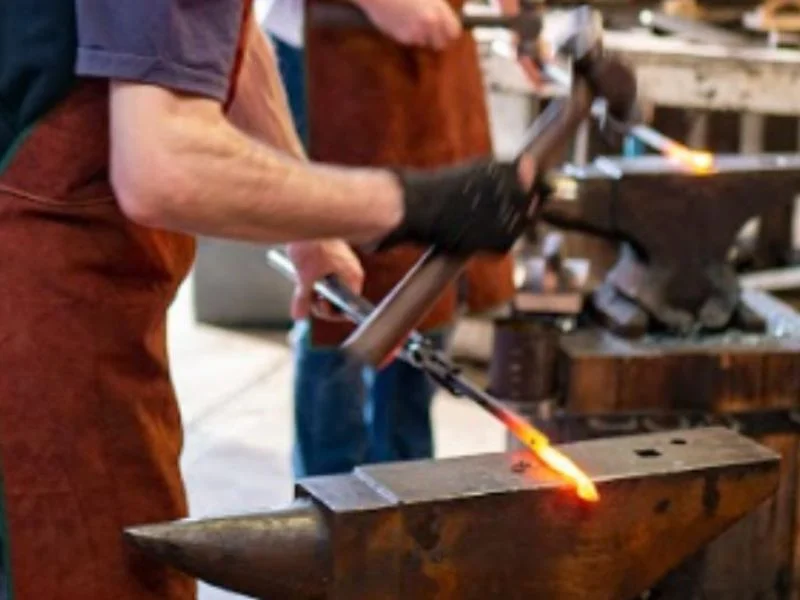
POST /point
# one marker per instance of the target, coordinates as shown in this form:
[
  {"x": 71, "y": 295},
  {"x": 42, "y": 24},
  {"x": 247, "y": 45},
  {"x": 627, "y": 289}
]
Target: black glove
[{"x": 480, "y": 206}]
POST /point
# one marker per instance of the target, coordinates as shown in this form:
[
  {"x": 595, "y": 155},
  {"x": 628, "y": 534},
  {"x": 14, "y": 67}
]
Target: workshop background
[{"x": 229, "y": 342}]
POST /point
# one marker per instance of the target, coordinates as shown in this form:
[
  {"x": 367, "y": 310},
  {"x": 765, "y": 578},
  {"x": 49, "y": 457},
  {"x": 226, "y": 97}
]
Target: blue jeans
[
  {"x": 347, "y": 415},
  {"x": 292, "y": 68}
]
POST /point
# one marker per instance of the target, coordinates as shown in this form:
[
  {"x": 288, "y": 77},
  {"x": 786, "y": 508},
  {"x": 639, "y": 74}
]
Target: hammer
[
  {"x": 527, "y": 24},
  {"x": 594, "y": 75}
]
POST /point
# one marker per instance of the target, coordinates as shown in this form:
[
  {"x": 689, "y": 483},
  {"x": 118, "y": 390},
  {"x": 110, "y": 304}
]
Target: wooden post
[
  {"x": 697, "y": 136},
  {"x": 751, "y": 133}
]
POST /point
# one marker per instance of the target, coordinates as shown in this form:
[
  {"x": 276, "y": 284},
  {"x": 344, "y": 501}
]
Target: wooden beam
[{"x": 679, "y": 74}]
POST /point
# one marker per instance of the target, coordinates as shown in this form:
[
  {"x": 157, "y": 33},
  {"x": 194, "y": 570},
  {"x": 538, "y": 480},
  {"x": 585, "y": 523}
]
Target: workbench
[{"x": 679, "y": 74}]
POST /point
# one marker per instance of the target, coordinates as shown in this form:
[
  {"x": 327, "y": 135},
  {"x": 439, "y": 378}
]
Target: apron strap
[{"x": 6, "y": 591}]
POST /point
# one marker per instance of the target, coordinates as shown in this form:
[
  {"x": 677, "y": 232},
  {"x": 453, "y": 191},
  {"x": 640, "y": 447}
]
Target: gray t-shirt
[{"x": 185, "y": 45}]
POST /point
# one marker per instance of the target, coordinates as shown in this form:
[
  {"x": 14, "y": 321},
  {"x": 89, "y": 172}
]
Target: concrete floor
[{"x": 235, "y": 393}]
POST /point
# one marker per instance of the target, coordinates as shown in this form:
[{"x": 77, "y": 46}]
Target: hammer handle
[
  {"x": 385, "y": 331},
  {"x": 392, "y": 321},
  {"x": 347, "y": 16}
]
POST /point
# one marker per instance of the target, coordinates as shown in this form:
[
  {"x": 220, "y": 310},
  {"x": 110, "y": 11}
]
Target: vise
[
  {"x": 485, "y": 526},
  {"x": 676, "y": 227}
]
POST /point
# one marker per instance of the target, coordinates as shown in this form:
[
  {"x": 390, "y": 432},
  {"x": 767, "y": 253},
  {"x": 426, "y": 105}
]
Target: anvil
[
  {"x": 676, "y": 227},
  {"x": 487, "y": 526}
]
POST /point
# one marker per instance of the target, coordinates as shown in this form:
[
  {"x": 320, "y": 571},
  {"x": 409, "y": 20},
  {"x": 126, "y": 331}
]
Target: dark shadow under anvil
[{"x": 676, "y": 228}]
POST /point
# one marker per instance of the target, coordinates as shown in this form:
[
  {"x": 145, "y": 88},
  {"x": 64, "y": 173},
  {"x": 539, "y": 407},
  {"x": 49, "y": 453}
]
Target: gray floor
[{"x": 235, "y": 394}]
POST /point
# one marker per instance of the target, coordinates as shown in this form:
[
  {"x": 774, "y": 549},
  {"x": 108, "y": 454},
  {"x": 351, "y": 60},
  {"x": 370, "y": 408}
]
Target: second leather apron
[{"x": 372, "y": 102}]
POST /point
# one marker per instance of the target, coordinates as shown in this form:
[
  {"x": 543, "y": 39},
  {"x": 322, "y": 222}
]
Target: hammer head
[{"x": 610, "y": 78}]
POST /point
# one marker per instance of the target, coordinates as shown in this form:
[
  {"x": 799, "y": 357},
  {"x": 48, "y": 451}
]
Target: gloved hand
[{"x": 480, "y": 206}]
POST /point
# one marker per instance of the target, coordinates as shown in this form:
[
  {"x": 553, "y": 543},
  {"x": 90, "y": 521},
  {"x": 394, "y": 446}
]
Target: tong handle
[
  {"x": 331, "y": 288},
  {"x": 357, "y": 308}
]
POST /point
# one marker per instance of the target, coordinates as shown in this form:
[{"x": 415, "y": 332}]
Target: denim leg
[
  {"x": 292, "y": 68},
  {"x": 398, "y": 412},
  {"x": 330, "y": 435}
]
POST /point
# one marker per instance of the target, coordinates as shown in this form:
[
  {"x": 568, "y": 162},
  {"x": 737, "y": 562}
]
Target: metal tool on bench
[
  {"x": 419, "y": 353},
  {"x": 488, "y": 526},
  {"x": 594, "y": 75}
]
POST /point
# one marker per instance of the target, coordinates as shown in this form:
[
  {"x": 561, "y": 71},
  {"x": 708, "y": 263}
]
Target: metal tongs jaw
[{"x": 420, "y": 353}]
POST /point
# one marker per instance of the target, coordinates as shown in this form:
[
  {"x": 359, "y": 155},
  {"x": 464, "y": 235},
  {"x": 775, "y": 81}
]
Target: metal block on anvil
[
  {"x": 489, "y": 526},
  {"x": 676, "y": 226}
]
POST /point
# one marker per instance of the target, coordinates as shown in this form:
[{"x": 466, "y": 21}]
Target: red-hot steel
[
  {"x": 538, "y": 443},
  {"x": 698, "y": 161}
]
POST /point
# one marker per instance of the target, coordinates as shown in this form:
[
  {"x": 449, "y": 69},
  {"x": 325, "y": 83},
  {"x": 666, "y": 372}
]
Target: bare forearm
[{"x": 197, "y": 173}]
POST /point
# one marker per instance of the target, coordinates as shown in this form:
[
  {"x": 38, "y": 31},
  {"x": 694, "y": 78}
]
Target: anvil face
[
  {"x": 677, "y": 226},
  {"x": 486, "y": 526}
]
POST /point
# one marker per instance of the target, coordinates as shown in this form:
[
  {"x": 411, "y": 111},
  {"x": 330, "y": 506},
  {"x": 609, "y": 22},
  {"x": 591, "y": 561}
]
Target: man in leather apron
[{"x": 126, "y": 127}]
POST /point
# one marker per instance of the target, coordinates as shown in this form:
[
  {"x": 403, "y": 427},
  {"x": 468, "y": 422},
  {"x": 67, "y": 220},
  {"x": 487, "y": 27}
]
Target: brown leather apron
[
  {"x": 374, "y": 102},
  {"x": 90, "y": 432}
]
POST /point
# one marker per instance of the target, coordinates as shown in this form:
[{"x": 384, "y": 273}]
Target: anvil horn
[
  {"x": 490, "y": 526},
  {"x": 281, "y": 554}
]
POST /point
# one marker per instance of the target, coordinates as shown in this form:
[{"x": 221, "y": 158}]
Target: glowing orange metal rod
[
  {"x": 539, "y": 444},
  {"x": 439, "y": 368},
  {"x": 698, "y": 161}
]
